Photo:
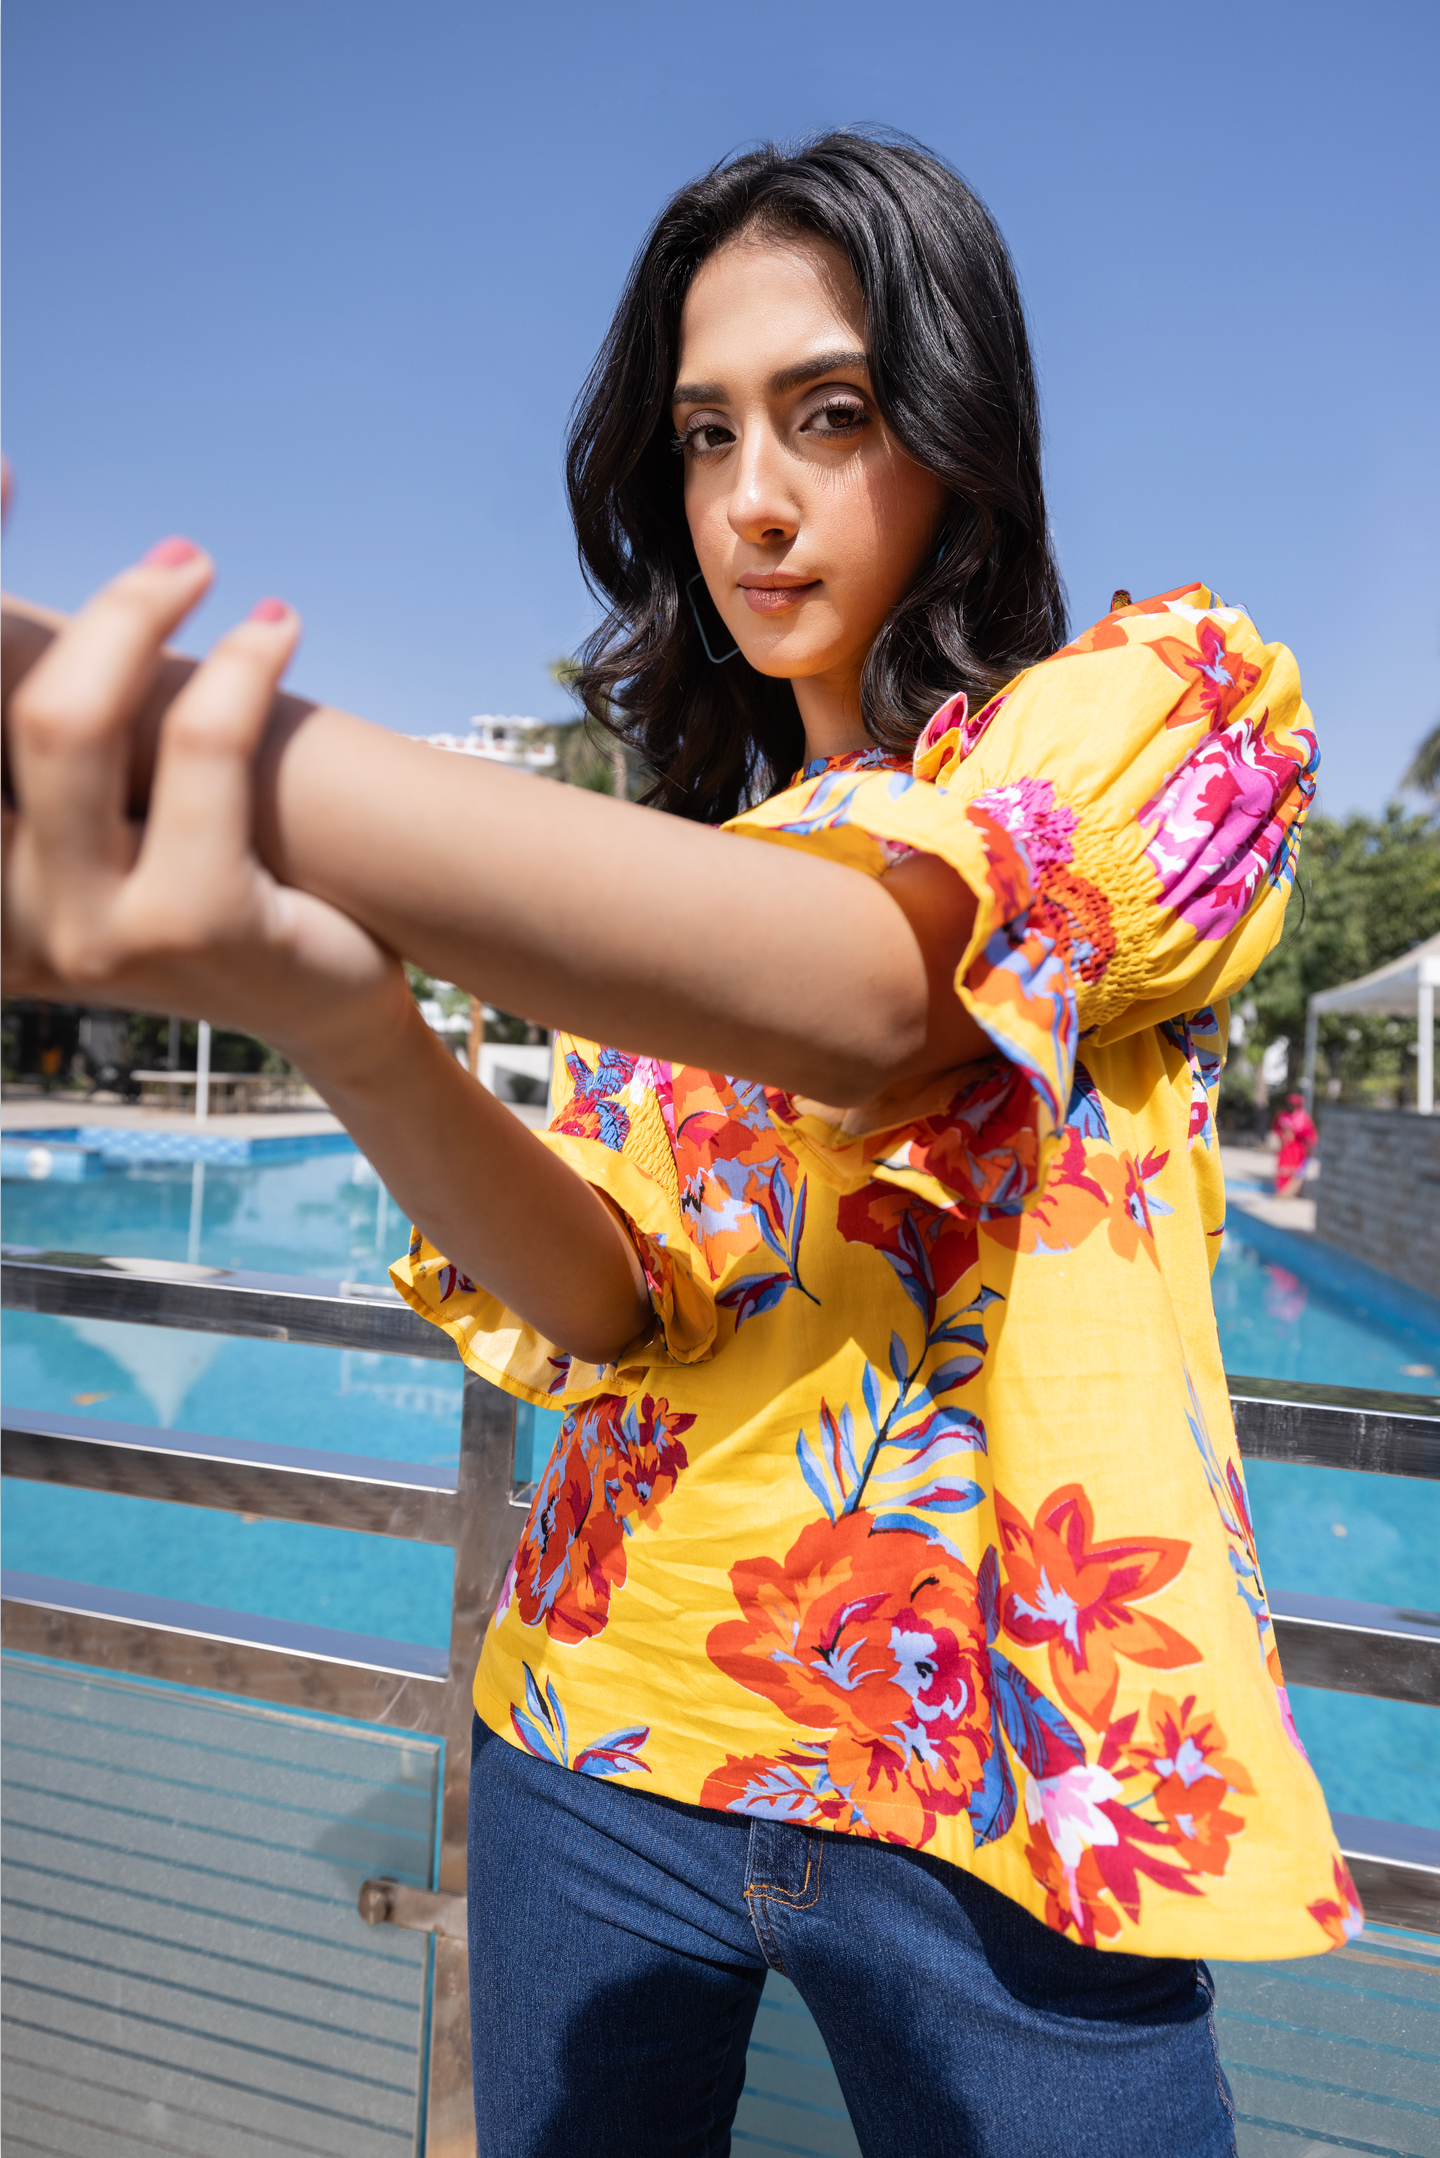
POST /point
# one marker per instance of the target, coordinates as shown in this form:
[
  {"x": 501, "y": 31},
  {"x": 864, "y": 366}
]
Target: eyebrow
[{"x": 789, "y": 378}]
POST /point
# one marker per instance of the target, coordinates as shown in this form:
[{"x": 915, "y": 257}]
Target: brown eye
[
  {"x": 703, "y": 436},
  {"x": 838, "y": 418}
]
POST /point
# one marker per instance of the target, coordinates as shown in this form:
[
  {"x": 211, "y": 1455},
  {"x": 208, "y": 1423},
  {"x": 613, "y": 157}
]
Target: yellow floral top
[{"x": 917, "y": 1514}]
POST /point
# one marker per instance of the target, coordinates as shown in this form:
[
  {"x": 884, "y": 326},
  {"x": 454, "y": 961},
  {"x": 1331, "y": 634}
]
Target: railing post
[
  {"x": 489, "y": 1527},
  {"x": 202, "y": 1073}
]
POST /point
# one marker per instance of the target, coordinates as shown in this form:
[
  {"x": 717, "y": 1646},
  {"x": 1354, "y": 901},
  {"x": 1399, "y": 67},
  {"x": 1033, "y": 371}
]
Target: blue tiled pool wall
[{"x": 307, "y": 1207}]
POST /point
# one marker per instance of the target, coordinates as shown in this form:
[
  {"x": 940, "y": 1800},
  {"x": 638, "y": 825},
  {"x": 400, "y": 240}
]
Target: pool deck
[
  {"x": 1255, "y": 1165},
  {"x": 53, "y": 1112}
]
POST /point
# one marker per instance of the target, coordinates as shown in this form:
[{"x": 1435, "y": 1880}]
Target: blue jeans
[{"x": 619, "y": 1943}]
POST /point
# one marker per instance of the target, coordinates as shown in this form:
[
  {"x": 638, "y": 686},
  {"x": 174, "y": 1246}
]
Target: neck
[{"x": 830, "y": 714}]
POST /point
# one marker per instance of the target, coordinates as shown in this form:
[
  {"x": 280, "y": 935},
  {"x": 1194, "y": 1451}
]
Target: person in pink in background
[{"x": 1298, "y": 1139}]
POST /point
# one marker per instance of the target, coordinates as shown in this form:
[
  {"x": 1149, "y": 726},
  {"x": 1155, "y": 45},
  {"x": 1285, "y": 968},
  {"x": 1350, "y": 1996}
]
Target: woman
[
  {"x": 889, "y": 1612},
  {"x": 1295, "y": 1130}
]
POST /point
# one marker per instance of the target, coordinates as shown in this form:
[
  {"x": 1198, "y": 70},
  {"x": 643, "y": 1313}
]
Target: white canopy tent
[{"x": 1404, "y": 988}]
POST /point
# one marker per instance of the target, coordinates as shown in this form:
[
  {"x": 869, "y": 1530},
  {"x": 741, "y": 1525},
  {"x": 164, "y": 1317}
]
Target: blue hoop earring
[{"x": 716, "y": 659}]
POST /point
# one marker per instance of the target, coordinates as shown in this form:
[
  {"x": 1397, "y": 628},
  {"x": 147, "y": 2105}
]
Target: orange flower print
[
  {"x": 1193, "y": 1776},
  {"x": 1133, "y": 1205},
  {"x": 1215, "y": 678},
  {"x": 616, "y": 1460},
  {"x": 1071, "y": 1204},
  {"x": 874, "y": 1641},
  {"x": 1084, "y": 1186},
  {"x": 1343, "y": 1918},
  {"x": 1077, "y": 1597}
]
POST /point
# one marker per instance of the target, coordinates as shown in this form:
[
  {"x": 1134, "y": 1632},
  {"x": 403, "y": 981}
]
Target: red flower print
[
  {"x": 616, "y": 1462},
  {"x": 928, "y": 1248},
  {"x": 875, "y": 1642},
  {"x": 1077, "y": 1597},
  {"x": 1088, "y": 1851}
]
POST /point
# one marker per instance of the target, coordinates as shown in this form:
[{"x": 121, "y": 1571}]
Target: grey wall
[{"x": 1378, "y": 1193}]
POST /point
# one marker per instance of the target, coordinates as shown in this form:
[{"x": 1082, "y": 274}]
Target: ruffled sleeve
[
  {"x": 1127, "y": 815},
  {"x": 612, "y": 1121}
]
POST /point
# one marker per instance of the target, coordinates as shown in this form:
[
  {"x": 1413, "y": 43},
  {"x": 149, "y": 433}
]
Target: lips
[{"x": 775, "y": 595}]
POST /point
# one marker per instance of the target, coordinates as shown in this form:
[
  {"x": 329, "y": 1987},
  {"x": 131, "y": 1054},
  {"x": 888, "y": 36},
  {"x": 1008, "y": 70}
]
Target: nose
[{"x": 762, "y": 507}]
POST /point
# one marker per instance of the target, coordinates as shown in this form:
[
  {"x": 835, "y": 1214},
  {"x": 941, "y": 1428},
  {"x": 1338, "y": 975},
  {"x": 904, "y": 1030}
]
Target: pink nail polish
[
  {"x": 171, "y": 554},
  {"x": 269, "y": 610}
]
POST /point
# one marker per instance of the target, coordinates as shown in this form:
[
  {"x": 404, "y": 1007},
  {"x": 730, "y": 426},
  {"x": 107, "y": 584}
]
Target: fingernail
[
  {"x": 171, "y": 554},
  {"x": 269, "y": 610}
]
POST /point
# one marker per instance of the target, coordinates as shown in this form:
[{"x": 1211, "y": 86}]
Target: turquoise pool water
[{"x": 320, "y": 1210}]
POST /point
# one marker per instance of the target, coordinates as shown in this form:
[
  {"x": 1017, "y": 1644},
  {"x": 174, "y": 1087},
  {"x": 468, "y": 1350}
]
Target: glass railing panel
[{"x": 185, "y": 1967}]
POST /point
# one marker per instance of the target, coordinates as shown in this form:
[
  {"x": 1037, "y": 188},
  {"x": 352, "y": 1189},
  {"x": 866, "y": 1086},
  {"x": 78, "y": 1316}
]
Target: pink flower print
[
  {"x": 1070, "y": 1806},
  {"x": 1215, "y": 828},
  {"x": 1029, "y": 812}
]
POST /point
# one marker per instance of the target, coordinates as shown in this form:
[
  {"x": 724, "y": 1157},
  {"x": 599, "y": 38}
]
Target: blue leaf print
[
  {"x": 813, "y": 1473},
  {"x": 957, "y": 1427},
  {"x": 1042, "y": 1737},
  {"x": 950, "y": 1498},
  {"x": 1086, "y": 1112},
  {"x": 870, "y": 1388},
  {"x": 534, "y": 1739},
  {"x": 951, "y": 1375},
  {"x": 993, "y": 1800},
  {"x": 988, "y": 1582},
  {"x": 554, "y": 1700},
  {"x": 797, "y": 1229},
  {"x": 938, "y": 1450},
  {"x": 899, "y": 1360},
  {"x": 758, "y": 1292},
  {"x": 617, "y": 1754},
  {"x": 533, "y": 1697}
]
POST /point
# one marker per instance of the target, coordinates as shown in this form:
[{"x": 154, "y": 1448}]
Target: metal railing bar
[
  {"x": 380, "y": 1470},
  {"x": 1396, "y": 1869},
  {"x": 272, "y": 1677},
  {"x": 1336, "y": 1427},
  {"x": 184, "y": 1476},
  {"x": 1358, "y": 1647},
  {"x": 244, "y": 1629},
  {"x": 209, "y": 1300}
]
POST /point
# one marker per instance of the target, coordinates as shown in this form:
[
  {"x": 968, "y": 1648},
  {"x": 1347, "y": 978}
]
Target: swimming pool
[{"x": 1285, "y": 1310}]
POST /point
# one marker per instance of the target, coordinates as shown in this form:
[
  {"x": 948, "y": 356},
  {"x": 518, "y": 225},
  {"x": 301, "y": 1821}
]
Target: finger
[
  {"x": 201, "y": 798},
  {"x": 71, "y": 717}
]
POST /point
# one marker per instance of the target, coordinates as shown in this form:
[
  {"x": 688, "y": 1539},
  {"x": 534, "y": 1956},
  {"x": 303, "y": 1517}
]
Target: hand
[{"x": 178, "y": 914}]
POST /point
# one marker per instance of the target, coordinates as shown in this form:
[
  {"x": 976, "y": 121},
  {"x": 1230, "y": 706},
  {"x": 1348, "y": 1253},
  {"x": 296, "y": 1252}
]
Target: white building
[{"x": 514, "y": 741}]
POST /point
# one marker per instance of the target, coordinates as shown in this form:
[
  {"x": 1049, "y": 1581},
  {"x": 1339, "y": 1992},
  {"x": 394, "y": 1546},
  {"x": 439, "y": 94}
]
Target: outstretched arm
[{"x": 613, "y": 921}]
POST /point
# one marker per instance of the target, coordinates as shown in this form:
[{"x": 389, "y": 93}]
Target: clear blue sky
[{"x": 316, "y": 281}]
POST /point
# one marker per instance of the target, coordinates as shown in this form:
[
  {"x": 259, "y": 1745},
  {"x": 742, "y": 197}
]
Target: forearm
[
  {"x": 489, "y": 1194},
  {"x": 609, "y": 920}
]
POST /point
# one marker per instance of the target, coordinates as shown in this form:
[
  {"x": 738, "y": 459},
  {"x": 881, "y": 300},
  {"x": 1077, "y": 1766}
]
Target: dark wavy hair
[{"x": 951, "y": 372}]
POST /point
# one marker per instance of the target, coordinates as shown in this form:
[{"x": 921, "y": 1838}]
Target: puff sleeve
[
  {"x": 612, "y": 1122},
  {"x": 1127, "y": 814}
]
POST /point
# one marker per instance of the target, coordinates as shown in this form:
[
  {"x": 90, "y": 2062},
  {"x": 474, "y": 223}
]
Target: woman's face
[{"x": 809, "y": 520}]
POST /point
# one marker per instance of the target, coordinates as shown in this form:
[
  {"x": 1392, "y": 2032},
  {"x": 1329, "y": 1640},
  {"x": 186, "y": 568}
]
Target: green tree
[
  {"x": 1368, "y": 889},
  {"x": 589, "y": 755},
  {"x": 1423, "y": 773}
]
